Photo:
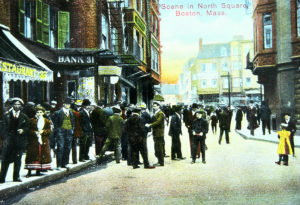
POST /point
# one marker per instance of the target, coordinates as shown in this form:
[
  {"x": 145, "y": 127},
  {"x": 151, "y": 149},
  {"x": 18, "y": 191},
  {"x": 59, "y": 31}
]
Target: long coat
[
  {"x": 77, "y": 129},
  {"x": 16, "y": 141},
  {"x": 37, "y": 153},
  {"x": 85, "y": 122},
  {"x": 175, "y": 126},
  {"x": 98, "y": 120},
  {"x": 284, "y": 145},
  {"x": 114, "y": 126},
  {"x": 134, "y": 129},
  {"x": 158, "y": 125}
]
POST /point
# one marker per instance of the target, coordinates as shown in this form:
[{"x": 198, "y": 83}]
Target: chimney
[{"x": 200, "y": 44}]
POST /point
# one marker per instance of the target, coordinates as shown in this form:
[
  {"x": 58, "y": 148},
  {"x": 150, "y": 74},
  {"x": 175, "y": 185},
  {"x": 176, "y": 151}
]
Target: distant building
[
  {"x": 219, "y": 69},
  {"x": 170, "y": 92},
  {"x": 188, "y": 95}
]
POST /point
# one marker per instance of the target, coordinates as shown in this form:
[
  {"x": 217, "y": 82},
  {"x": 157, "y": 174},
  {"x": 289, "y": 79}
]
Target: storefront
[{"x": 22, "y": 73}]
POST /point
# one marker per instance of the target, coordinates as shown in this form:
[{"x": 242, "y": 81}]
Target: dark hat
[
  {"x": 13, "y": 100},
  {"x": 86, "y": 102},
  {"x": 251, "y": 101},
  {"x": 53, "y": 102},
  {"x": 194, "y": 105},
  {"x": 158, "y": 98},
  {"x": 67, "y": 101}
]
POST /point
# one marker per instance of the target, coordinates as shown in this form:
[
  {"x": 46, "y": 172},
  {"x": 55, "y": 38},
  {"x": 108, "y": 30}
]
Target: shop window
[
  {"x": 104, "y": 26},
  {"x": 15, "y": 89},
  {"x": 267, "y": 24},
  {"x": 71, "y": 89},
  {"x": 298, "y": 17},
  {"x": 63, "y": 29}
]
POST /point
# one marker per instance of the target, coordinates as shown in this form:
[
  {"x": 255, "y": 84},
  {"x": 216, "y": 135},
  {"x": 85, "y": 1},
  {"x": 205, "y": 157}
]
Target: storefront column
[
  {"x": 96, "y": 85},
  {"x": 24, "y": 93},
  {"x": 1, "y": 91},
  {"x": 139, "y": 90}
]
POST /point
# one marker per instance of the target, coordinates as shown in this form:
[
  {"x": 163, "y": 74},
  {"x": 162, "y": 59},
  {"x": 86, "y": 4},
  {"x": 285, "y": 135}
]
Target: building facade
[
  {"x": 98, "y": 49},
  {"x": 219, "y": 72},
  {"x": 277, "y": 55}
]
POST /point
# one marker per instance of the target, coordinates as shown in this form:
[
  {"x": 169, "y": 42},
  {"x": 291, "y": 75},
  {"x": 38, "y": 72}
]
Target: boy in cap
[{"x": 15, "y": 130}]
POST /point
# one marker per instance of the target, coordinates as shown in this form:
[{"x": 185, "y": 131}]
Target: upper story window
[
  {"x": 203, "y": 84},
  {"x": 139, "y": 7},
  {"x": 225, "y": 66},
  {"x": 63, "y": 29},
  {"x": 213, "y": 67},
  {"x": 237, "y": 82},
  {"x": 248, "y": 81},
  {"x": 53, "y": 28},
  {"x": 237, "y": 65},
  {"x": 267, "y": 24},
  {"x": 225, "y": 83},
  {"x": 214, "y": 83},
  {"x": 223, "y": 51},
  {"x": 104, "y": 36},
  {"x": 155, "y": 60},
  {"x": 203, "y": 68},
  {"x": 26, "y": 15},
  {"x": 114, "y": 40},
  {"x": 298, "y": 17}
]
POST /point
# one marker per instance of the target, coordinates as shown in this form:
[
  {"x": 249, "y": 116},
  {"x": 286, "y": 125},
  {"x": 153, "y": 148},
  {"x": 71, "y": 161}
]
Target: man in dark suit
[
  {"x": 135, "y": 131},
  {"x": 98, "y": 120},
  {"x": 64, "y": 123},
  {"x": 188, "y": 121},
  {"x": 224, "y": 125},
  {"x": 292, "y": 128},
  {"x": 15, "y": 130},
  {"x": 251, "y": 117},
  {"x": 175, "y": 132},
  {"x": 265, "y": 114},
  {"x": 86, "y": 137}
]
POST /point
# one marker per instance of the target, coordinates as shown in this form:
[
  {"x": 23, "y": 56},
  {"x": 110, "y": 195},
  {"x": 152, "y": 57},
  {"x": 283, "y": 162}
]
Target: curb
[
  {"x": 257, "y": 139},
  {"x": 8, "y": 192}
]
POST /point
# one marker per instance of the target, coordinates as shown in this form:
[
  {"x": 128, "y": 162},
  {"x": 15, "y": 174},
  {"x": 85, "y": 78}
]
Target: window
[
  {"x": 126, "y": 3},
  {"x": 237, "y": 65},
  {"x": 53, "y": 27},
  {"x": 42, "y": 22},
  {"x": 237, "y": 82},
  {"x": 194, "y": 76},
  {"x": 203, "y": 84},
  {"x": 223, "y": 52},
  {"x": 114, "y": 40},
  {"x": 25, "y": 15},
  {"x": 225, "y": 83},
  {"x": 203, "y": 68},
  {"x": 155, "y": 60},
  {"x": 235, "y": 51},
  {"x": 214, "y": 83},
  {"x": 267, "y": 23},
  {"x": 213, "y": 67},
  {"x": 224, "y": 66},
  {"x": 104, "y": 26},
  {"x": 63, "y": 29},
  {"x": 248, "y": 81}
]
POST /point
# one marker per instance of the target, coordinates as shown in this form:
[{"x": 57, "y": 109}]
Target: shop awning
[{"x": 19, "y": 63}]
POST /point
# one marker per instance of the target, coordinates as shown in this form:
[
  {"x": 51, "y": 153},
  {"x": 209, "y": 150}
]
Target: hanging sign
[{"x": 109, "y": 70}]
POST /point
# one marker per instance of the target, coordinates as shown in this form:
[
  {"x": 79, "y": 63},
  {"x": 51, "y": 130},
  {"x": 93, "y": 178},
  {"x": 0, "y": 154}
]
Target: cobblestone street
[{"x": 242, "y": 172}]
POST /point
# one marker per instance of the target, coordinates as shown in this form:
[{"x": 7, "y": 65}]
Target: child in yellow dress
[{"x": 284, "y": 145}]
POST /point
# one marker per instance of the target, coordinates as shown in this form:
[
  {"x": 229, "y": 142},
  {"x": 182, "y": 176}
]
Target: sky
[{"x": 180, "y": 35}]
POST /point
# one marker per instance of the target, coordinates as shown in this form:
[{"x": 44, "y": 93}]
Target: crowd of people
[{"x": 39, "y": 130}]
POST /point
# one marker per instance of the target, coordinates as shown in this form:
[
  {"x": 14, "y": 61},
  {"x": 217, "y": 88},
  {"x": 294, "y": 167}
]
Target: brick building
[
  {"x": 97, "y": 49},
  {"x": 277, "y": 55}
]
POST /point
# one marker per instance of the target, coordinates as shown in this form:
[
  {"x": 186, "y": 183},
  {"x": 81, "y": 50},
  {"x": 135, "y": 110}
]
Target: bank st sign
[{"x": 70, "y": 59}]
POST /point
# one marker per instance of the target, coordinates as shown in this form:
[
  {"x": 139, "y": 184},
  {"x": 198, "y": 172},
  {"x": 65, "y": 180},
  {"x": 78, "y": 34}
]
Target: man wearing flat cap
[
  {"x": 87, "y": 131},
  {"x": 15, "y": 130},
  {"x": 114, "y": 126},
  {"x": 64, "y": 123}
]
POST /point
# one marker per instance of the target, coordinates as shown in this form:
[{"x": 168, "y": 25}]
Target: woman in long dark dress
[{"x": 38, "y": 151}]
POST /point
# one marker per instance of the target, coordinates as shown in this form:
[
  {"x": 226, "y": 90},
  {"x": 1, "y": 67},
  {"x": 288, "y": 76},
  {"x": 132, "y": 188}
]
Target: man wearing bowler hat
[
  {"x": 15, "y": 130},
  {"x": 87, "y": 131},
  {"x": 64, "y": 123}
]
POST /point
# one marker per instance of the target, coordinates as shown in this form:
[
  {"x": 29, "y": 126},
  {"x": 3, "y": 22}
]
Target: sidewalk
[
  {"x": 258, "y": 135},
  {"x": 9, "y": 187}
]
